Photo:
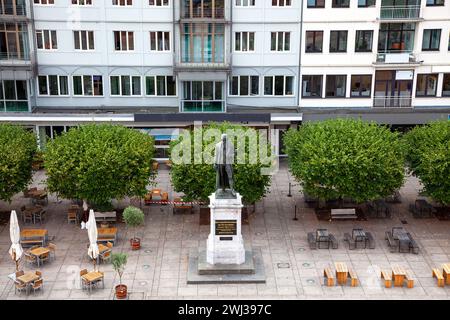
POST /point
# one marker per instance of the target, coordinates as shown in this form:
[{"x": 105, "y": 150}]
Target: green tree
[
  {"x": 97, "y": 163},
  {"x": 17, "y": 148},
  {"x": 196, "y": 178},
  {"x": 119, "y": 261},
  {"x": 345, "y": 158},
  {"x": 429, "y": 158},
  {"x": 133, "y": 217}
]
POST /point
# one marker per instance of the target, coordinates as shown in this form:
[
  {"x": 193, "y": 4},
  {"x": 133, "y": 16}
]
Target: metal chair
[
  {"x": 52, "y": 248},
  {"x": 38, "y": 285},
  {"x": 29, "y": 258},
  {"x": 27, "y": 217},
  {"x": 19, "y": 286},
  {"x": 84, "y": 283},
  {"x": 105, "y": 256}
]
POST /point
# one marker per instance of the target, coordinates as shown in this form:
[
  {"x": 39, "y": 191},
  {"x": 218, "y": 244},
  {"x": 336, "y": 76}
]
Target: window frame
[
  {"x": 127, "y": 32},
  {"x": 274, "y": 84},
  {"x": 443, "y": 83},
  {"x": 315, "y": 6},
  {"x": 277, "y": 41},
  {"x": 335, "y": 5},
  {"x": 330, "y": 76},
  {"x": 360, "y": 76},
  {"x": 83, "y": 95},
  {"x": 249, "y": 85},
  {"x": 320, "y": 76},
  {"x": 431, "y": 40},
  {"x": 78, "y": 3},
  {"x": 130, "y": 87},
  {"x": 427, "y": 76},
  {"x": 156, "y": 84},
  {"x": 315, "y": 32},
  {"x": 364, "y": 33},
  {"x": 39, "y": 2},
  {"x": 249, "y": 34},
  {"x": 51, "y": 40},
  {"x": 241, "y": 5},
  {"x": 281, "y": 3},
  {"x": 156, "y": 3},
  {"x": 163, "y": 39},
  {"x": 338, "y": 49},
  {"x": 435, "y": 4},
  {"x": 88, "y": 42},
  {"x": 47, "y": 76},
  {"x": 369, "y": 4},
  {"x": 126, "y": 3}
]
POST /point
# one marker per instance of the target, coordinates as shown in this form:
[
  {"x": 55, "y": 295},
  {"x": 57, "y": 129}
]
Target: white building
[{"x": 160, "y": 65}]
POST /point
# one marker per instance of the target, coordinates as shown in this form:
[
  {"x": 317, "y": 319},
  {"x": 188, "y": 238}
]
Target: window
[
  {"x": 312, "y": 86},
  {"x": 122, "y": 2},
  {"x": 280, "y": 41},
  {"x": 82, "y": 2},
  {"x": 88, "y": 85},
  {"x": 124, "y": 40},
  {"x": 203, "y": 42},
  {"x": 244, "y": 41},
  {"x": 278, "y": 85},
  {"x": 202, "y": 9},
  {"x": 335, "y": 87},
  {"x": 433, "y": 3},
  {"x": 125, "y": 85},
  {"x": 281, "y": 3},
  {"x": 366, "y": 3},
  {"x": 203, "y": 96},
  {"x": 159, "y": 41},
  {"x": 160, "y": 86},
  {"x": 361, "y": 86},
  {"x": 244, "y": 85},
  {"x": 46, "y": 39},
  {"x": 363, "y": 40},
  {"x": 158, "y": 3},
  {"x": 426, "y": 85},
  {"x": 53, "y": 85},
  {"x": 341, "y": 3},
  {"x": 245, "y": 3},
  {"x": 316, "y": 3},
  {"x": 14, "y": 41},
  {"x": 83, "y": 40},
  {"x": 431, "y": 39},
  {"x": 44, "y": 1},
  {"x": 13, "y": 96},
  {"x": 396, "y": 37},
  {"x": 314, "y": 40},
  {"x": 446, "y": 85},
  {"x": 338, "y": 41}
]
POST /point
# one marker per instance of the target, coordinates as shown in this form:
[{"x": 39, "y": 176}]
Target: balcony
[
  {"x": 396, "y": 57},
  {"x": 206, "y": 13},
  {"x": 392, "y": 102},
  {"x": 400, "y": 13}
]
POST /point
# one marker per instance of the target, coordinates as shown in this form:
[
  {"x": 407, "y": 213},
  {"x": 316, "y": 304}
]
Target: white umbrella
[
  {"x": 92, "y": 233},
  {"x": 14, "y": 232}
]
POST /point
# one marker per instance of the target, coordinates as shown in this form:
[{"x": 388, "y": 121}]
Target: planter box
[{"x": 205, "y": 216}]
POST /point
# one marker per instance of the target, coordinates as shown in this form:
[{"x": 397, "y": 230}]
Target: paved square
[{"x": 293, "y": 271}]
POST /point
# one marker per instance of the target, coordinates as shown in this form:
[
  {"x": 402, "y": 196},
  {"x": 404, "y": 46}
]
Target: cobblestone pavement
[{"x": 158, "y": 270}]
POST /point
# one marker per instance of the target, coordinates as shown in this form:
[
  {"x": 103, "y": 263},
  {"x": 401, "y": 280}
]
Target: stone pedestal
[{"x": 225, "y": 244}]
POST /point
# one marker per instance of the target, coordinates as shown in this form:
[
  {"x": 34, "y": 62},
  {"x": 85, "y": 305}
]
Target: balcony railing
[
  {"x": 13, "y": 106},
  {"x": 400, "y": 12},
  {"x": 208, "y": 13},
  {"x": 203, "y": 105},
  {"x": 9, "y": 10},
  {"x": 392, "y": 102},
  {"x": 14, "y": 56},
  {"x": 396, "y": 57}
]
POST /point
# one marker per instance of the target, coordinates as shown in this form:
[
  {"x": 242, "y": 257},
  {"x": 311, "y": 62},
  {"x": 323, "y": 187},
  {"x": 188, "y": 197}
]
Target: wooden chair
[
  {"x": 30, "y": 259},
  {"x": 409, "y": 280},
  {"x": 84, "y": 283},
  {"x": 353, "y": 277},
  {"x": 105, "y": 256},
  {"x": 19, "y": 286},
  {"x": 19, "y": 273},
  {"x": 38, "y": 273},
  {"x": 27, "y": 217},
  {"x": 52, "y": 248},
  {"x": 38, "y": 285},
  {"x": 109, "y": 244},
  {"x": 387, "y": 276},
  {"x": 440, "y": 278},
  {"x": 72, "y": 216},
  {"x": 329, "y": 277},
  {"x": 44, "y": 257}
]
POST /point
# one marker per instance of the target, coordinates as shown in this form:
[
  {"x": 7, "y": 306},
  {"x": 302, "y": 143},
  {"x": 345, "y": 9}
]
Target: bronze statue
[{"x": 223, "y": 163}]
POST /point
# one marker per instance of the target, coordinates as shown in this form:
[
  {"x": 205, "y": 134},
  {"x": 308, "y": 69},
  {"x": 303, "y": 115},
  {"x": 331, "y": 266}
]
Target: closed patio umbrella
[
  {"x": 92, "y": 233},
  {"x": 14, "y": 232}
]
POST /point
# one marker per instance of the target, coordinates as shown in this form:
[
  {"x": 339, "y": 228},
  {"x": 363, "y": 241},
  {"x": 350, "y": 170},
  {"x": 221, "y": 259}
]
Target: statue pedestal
[{"x": 225, "y": 244}]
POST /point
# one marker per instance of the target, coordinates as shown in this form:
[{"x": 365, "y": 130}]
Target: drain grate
[
  {"x": 146, "y": 266},
  {"x": 404, "y": 221},
  {"x": 301, "y": 249},
  {"x": 306, "y": 264},
  {"x": 258, "y": 233},
  {"x": 148, "y": 251},
  {"x": 310, "y": 281},
  {"x": 283, "y": 265},
  {"x": 143, "y": 283}
]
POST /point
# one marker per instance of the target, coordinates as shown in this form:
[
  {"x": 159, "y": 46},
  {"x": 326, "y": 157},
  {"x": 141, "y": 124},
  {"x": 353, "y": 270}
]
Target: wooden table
[
  {"x": 28, "y": 278},
  {"x": 93, "y": 276},
  {"x": 398, "y": 274},
  {"x": 38, "y": 252},
  {"x": 341, "y": 272},
  {"x": 446, "y": 273}
]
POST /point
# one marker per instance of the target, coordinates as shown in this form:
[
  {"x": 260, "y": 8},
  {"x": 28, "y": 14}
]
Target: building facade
[{"x": 161, "y": 65}]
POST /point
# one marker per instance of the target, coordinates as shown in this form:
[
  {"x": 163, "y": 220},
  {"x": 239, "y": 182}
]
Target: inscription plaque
[{"x": 226, "y": 227}]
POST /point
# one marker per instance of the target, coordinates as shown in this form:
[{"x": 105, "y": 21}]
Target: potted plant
[
  {"x": 119, "y": 260},
  {"x": 134, "y": 217}
]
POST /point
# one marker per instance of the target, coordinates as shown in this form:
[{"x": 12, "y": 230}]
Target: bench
[
  {"x": 391, "y": 242},
  {"x": 333, "y": 240},
  {"x": 107, "y": 239},
  {"x": 329, "y": 277},
  {"x": 343, "y": 214},
  {"x": 312, "y": 241},
  {"x": 413, "y": 244},
  {"x": 409, "y": 280},
  {"x": 353, "y": 277},
  {"x": 371, "y": 240},
  {"x": 32, "y": 242},
  {"x": 350, "y": 240},
  {"x": 105, "y": 216},
  {"x": 440, "y": 278},
  {"x": 387, "y": 276}
]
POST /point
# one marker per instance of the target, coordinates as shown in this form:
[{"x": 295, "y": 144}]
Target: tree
[
  {"x": 195, "y": 176},
  {"x": 17, "y": 148},
  {"x": 133, "y": 217},
  {"x": 345, "y": 158},
  {"x": 429, "y": 158},
  {"x": 119, "y": 261},
  {"x": 97, "y": 163}
]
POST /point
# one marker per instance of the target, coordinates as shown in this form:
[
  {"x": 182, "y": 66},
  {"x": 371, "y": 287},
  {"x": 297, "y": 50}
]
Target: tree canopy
[
  {"x": 98, "y": 163},
  {"x": 346, "y": 158},
  {"x": 196, "y": 178},
  {"x": 429, "y": 158},
  {"x": 17, "y": 147}
]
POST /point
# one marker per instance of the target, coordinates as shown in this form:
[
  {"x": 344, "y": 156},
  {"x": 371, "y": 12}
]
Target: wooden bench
[
  {"x": 440, "y": 278},
  {"x": 105, "y": 216},
  {"x": 32, "y": 242},
  {"x": 409, "y": 279},
  {"x": 329, "y": 277},
  {"x": 343, "y": 214},
  {"x": 353, "y": 277},
  {"x": 386, "y": 275},
  {"x": 107, "y": 239},
  {"x": 312, "y": 241}
]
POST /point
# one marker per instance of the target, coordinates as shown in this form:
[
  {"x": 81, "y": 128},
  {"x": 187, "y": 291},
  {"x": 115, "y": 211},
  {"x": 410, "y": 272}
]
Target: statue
[{"x": 223, "y": 163}]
